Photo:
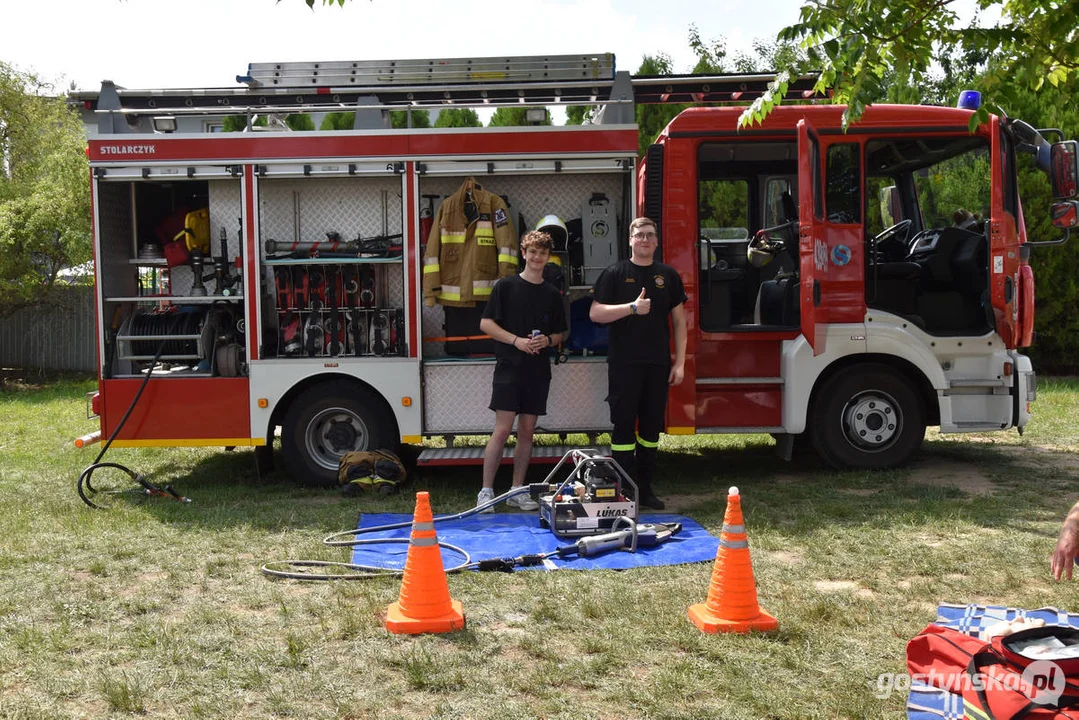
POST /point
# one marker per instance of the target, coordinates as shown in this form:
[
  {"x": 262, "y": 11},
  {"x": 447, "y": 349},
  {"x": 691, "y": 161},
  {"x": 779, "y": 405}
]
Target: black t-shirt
[
  {"x": 520, "y": 307},
  {"x": 640, "y": 338}
]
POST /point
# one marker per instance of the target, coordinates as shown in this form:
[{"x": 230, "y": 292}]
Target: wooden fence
[{"x": 57, "y": 337}]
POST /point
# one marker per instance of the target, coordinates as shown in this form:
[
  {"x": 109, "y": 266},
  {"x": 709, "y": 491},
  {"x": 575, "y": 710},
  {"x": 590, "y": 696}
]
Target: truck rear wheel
[
  {"x": 867, "y": 417},
  {"x": 326, "y": 422}
]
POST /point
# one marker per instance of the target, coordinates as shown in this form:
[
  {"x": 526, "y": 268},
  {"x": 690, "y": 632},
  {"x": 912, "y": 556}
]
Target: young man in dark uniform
[
  {"x": 635, "y": 298},
  {"x": 525, "y": 316}
]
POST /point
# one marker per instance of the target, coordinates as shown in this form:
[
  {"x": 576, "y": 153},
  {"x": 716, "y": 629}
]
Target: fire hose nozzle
[{"x": 88, "y": 439}]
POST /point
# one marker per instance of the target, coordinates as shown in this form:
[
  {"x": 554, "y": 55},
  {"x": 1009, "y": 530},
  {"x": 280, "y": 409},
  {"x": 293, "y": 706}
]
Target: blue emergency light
[{"x": 969, "y": 100}]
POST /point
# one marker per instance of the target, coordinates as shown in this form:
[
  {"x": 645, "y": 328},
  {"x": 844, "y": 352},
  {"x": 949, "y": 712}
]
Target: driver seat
[
  {"x": 777, "y": 302},
  {"x": 777, "y": 296}
]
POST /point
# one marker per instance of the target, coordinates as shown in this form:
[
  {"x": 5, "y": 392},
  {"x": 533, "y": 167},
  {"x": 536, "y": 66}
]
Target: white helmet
[
  {"x": 553, "y": 226},
  {"x": 762, "y": 250}
]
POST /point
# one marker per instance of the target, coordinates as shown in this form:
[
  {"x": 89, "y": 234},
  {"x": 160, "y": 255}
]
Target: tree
[
  {"x": 651, "y": 119},
  {"x": 577, "y": 114},
  {"x": 338, "y": 121},
  {"x": 238, "y": 123},
  {"x": 300, "y": 121},
  {"x": 1056, "y": 347},
  {"x": 457, "y": 117},
  {"x": 855, "y": 44},
  {"x": 409, "y": 118},
  {"x": 44, "y": 192}
]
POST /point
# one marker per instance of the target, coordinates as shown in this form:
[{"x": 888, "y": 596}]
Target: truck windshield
[{"x": 941, "y": 180}]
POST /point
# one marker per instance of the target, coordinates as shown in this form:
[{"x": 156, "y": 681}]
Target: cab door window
[
  {"x": 844, "y": 184},
  {"x": 927, "y": 202},
  {"x": 743, "y": 187},
  {"x": 723, "y": 209}
]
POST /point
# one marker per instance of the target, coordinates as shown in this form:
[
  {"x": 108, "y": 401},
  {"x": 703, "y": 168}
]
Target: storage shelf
[
  {"x": 333, "y": 261},
  {"x": 148, "y": 262},
  {"x": 183, "y": 373},
  {"x": 177, "y": 299}
]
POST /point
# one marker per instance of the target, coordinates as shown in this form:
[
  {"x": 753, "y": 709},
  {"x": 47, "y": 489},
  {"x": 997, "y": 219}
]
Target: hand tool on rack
[{"x": 331, "y": 292}]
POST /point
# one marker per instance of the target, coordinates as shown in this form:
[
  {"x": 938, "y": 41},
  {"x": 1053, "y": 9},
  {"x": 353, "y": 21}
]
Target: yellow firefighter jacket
[{"x": 469, "y": 248}]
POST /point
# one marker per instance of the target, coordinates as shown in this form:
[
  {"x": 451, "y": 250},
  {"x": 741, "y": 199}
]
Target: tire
[
  {"x": 867, "y": 417},
  {"x": 326, "y": 422}
]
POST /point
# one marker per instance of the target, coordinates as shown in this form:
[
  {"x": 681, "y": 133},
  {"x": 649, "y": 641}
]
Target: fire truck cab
[
  {"x": 855, "y": 286},
  {"x": 849, "y": 288}
]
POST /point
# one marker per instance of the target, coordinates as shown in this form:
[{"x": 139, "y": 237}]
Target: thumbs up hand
[{"x": 642, "y": 305}]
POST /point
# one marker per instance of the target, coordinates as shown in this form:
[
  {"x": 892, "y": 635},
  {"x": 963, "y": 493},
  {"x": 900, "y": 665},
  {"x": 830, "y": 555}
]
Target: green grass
[{"x": 158, "y": 609}]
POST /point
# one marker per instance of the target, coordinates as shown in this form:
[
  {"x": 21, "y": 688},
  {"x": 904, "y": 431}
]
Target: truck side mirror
[
  {"x": 1064, "y": 171},
  {"x": 1065, "y": 215}
]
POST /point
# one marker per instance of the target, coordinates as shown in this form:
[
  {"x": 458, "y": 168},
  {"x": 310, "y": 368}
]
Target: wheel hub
[
  {"x": 340, "y": 434},
  {"x": 872, "y": 420},
  {"x": 332, "y": 433}
]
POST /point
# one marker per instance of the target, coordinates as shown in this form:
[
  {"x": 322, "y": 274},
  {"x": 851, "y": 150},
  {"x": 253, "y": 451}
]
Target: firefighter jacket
[{"x": 472, "y": 244}]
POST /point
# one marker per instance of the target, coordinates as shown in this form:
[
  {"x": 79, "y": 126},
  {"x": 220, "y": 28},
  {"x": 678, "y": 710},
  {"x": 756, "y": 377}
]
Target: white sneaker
[
  {"x": 486, "y": 495},
  {"x": 523, "y": 502}
]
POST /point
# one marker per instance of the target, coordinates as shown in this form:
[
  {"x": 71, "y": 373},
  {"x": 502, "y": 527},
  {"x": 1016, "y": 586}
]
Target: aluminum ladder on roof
[{"x": 440, "y": 71}]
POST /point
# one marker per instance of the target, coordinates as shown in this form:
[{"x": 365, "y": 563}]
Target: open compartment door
[{"x": 812, "y": 248}]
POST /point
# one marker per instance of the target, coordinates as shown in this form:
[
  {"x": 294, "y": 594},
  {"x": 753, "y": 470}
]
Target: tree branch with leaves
[
  {"x": 856, "y": 44},
  {"x": 44, "y": 193}
]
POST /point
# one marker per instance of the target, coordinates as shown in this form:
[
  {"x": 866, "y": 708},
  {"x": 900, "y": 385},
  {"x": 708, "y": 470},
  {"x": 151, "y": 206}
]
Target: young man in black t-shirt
[
  {"x": 525, "y": 316},
  {"x": 635, "y": 298}
]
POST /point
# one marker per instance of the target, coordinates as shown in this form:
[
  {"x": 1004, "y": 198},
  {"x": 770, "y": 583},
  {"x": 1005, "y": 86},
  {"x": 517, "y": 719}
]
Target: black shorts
[{"x": 519, "y": 389}]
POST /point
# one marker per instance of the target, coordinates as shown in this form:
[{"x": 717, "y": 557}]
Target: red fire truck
[{"x": 850, "y": 288}]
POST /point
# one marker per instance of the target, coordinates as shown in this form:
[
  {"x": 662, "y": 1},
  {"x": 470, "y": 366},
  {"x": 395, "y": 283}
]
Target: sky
[{"x": 147, "y": 44}]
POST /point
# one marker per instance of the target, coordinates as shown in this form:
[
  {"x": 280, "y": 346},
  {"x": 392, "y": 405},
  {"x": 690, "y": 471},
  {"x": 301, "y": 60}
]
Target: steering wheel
[{"x": 884, "y": 241}]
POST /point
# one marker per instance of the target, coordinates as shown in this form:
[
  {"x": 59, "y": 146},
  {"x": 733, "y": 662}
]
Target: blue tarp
[{"x": 511, "y": 534}]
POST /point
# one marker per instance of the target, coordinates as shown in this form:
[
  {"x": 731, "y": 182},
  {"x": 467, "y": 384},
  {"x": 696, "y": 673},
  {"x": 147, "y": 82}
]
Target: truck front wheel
[
  {"x": 867, "y": 417},
  {"x": 328, "y": 421}
]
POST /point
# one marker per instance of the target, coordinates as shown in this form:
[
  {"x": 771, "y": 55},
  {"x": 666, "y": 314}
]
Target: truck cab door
[
  {"x": 1004, "y": 240},
  {"x": 812, "y": 248}
]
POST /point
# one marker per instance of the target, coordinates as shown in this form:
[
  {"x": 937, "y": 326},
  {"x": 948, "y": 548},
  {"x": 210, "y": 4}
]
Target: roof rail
[{"x": 375, "y": 85}]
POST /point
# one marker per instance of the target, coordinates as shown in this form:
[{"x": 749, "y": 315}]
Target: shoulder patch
[{"x": 500, "y": 215}]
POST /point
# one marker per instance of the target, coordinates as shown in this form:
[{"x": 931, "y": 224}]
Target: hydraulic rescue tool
[{"x": 595, "y": 494}]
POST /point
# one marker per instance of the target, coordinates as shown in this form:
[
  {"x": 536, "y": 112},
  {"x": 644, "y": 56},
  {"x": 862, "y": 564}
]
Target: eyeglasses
[{"x": 645, "y": 236}]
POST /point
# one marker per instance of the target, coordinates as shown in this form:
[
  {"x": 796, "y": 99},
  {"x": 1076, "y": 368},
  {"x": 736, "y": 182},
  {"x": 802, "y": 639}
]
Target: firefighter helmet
[
  {"x": 553, "y": 226},
  {"x": 762, "y": 249}
]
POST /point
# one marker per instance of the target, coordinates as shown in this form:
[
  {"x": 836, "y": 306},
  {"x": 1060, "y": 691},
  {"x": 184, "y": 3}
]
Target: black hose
[
  {"x": 277, "y": 568},
  {"x": 362, "y": 572},
  {"x": 83, "y": 485}
]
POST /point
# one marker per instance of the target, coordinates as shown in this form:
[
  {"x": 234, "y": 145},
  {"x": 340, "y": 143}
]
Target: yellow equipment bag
[
  {"x": 365, "y": 470},
  {"x": 196, "y": 232}
]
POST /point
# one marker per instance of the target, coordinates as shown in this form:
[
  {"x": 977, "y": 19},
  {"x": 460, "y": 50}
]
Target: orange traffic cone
[
  {"x": 424, "y": 605},
  {"x": 732, "y": 595}
]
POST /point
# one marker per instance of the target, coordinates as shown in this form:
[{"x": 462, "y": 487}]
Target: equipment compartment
[
  {"x": 161, "y": 277},
  {"x": 530, "y": 198},
  {"x": 333, "y": 284}
]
